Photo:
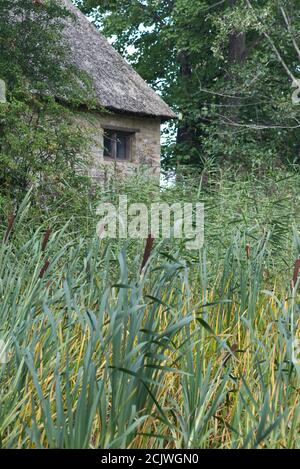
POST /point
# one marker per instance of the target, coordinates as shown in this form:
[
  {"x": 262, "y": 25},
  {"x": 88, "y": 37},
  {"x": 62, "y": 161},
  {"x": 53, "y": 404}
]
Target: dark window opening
[{"x": 117, "y": 144}]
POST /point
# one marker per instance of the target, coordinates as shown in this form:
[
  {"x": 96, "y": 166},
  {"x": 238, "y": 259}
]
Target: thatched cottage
[{"x": 128, "y": 136}]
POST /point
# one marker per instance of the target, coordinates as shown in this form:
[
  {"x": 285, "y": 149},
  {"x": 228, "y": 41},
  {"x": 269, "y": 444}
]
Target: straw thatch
[{"x": 117, "y": 86}]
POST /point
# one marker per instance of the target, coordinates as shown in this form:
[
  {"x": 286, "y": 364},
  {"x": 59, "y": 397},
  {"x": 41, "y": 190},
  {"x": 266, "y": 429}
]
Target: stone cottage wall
[{"x": 145, "y": 154}]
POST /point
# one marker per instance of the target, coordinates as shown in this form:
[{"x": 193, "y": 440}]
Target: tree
[
  {"x": 226, "y": 66},
  {"x": 39, "y": 144},
  {"x": 263, "y": 123}
]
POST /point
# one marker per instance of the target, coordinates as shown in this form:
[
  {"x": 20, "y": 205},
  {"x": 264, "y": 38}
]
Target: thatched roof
[{"x": 117, "y": 86}]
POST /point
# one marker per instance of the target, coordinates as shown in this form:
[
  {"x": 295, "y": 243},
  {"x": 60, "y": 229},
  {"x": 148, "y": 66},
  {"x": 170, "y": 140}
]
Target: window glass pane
[
  {"x": 117, "y": 144},
  {"x": 122, "y": 140},
  {"x": 108, "y": 143}
]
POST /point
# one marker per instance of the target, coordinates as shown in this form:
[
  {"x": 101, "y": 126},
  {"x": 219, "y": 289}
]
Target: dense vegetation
[
  {"x": 227, "y": 66},
  {"x": 197, "y": 349},
  {"x": 39, "y": 143}
]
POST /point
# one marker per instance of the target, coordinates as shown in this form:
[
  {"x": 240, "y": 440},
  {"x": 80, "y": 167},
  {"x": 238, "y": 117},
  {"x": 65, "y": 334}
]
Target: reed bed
[{"x": 134, "y": 346}]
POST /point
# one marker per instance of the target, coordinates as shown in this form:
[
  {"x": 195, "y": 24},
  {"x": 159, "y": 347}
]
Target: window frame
[{"x": 114, "y": 131}]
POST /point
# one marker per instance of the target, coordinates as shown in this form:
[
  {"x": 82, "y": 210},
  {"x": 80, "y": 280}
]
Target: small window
[{"x": 117, "y": 144}]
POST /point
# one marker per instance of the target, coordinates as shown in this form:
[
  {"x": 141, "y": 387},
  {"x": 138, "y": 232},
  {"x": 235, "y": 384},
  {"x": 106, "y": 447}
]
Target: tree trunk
[
  {"x": 237, "y": 48},
  {"x": 184, "y": 134},
  {"x": 237, "y": 43},
  {"x": 232, "y": 111}
]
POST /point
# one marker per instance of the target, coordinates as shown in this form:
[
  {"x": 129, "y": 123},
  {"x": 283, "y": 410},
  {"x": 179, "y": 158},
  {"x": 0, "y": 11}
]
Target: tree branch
[
  {"x": 288, "y": 25},
  {"x": 271, "y": 42}
]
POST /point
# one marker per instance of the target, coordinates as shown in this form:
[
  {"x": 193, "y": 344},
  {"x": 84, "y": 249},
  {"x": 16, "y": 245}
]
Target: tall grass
[{"x": 188, "y": 352}]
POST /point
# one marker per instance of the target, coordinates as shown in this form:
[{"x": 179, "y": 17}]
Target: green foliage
[
  {"x": 40, "y": 144},
  {"x": 257, "y": 120},
  {"x": 215, "y": 65},
  {"x": 33, "y": 57}
]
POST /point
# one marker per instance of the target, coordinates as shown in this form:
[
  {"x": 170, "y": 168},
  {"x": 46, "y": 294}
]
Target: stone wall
[{"x": 145, "y": 151}]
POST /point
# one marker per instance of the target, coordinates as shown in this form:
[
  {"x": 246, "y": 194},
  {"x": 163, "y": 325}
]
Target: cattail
[
  {"x": 148, "y": 249},
  {"x": 10, "y": 224},
  {"x": 296, "y": 273},
  {"x": 248, "y": 249},
  {"x": 46, "y": 239},
  {"x": 44, "y": 269},
  {"x": 233, "y": 349}
]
